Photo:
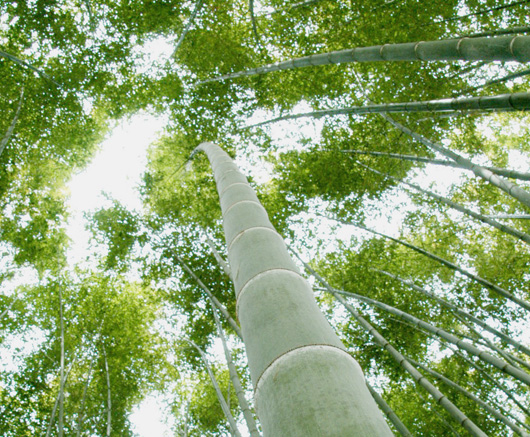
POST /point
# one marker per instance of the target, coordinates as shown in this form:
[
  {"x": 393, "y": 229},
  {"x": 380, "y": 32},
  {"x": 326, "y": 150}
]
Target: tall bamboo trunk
[
  {"x": 499, "y": 48},
  {"x": 11, "y": 128},
  {"x": 305, "y": 382}
]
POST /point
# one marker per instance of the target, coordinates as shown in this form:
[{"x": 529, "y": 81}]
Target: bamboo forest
[{"x": 334, "y": 224}]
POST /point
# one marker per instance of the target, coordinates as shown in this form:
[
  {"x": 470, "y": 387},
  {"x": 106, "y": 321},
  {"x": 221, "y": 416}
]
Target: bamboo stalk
[
  {"x": 498, "y": 48},
  {"x": 474, "y": 398},
  {"x": 484, "y": 219},
  {"x": 497, "y": 170},
  {"x": 218, "y": 392},
  {"x": 448, "y": 264},
  {"x": 499, "y": 103},
  {"x": 389, "y": 412},
  {"x": 440, "y": 398},
  {"x": 11, "y": 128},
  {"x": 518, "y": 346}
]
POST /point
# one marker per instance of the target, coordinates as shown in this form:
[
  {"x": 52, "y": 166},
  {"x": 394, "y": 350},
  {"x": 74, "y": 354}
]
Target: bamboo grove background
[{"x": 397, "y": 171}]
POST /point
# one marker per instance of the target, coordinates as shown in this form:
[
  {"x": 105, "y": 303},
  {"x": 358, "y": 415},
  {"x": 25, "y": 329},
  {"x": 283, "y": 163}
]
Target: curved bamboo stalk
[
  {"x": 499, "y": 103},
  {"x": 11, "y": 128},
  {"x": 497, "y": 170},
  {"x": 469, "y": 395},
  {"x": 245, "y": 408},
  {"x": 499, "y": 48},
  {"x": 448, "y": 264},
  {"x": 440, "y": 398},
  {"x": 187, "y": 28},
  {"x": 506, "y": 186},
  {"x": 253, "y": 21},
  {"x": 218, "y": 392},
  {"x": 518, "y": 346},
  {"x": 458, "y": 353},
  {"x": 222, "y": 263},
  {"x": 392, "y": 416},
  {"x": 484, "y": 219},
  {"x": 289, "y": 343}
]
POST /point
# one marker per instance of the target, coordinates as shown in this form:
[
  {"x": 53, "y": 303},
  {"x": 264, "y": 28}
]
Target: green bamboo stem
[
  {"x": 296, "y": 361},
  {"x": 448, "y": 264},
  {"x": 474, "y": 398},
  {"x": 497, "y": 170},
  {"x": 188, "y": 25},
  {"x": 510, "y": 31},
  {"x": 11, "y": 128},
  {"x": 389, "y": 412},
  {"x": 80, "y": 414},
  {"x": 440, "y": 398},
  {"x": 245, "y": 408},
  {"x": 218, "y": 392},
  {"x": 473, "y": 364},
  {"x": 473, "y": 350},
  {"x": 222, "y": 263},
  {"x": 499, "y": 103},
  {"x": 518, "y": 346},
  {"x": 109, "y": 399},
  {"x": 508, "y": 187},
  {"x": 233, "y": 324},
  {"x": 27, "y": 65},
  {"x": 483, "y": 11},
  {"x": 484, "y": 219},
  {"x": 498, "y": 48}
]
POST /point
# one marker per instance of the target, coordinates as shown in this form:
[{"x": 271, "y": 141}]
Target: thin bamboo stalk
[
  {"x": 245, "y": 408},
  {"x": 497, "y": 170},
  {"x": 187, "y": 28},
  {"x": 498, "y": 48},
  {"x": 109, "y": 400},
  {"x": 210, "y": 295},
  {"x": 440, "y": 398},
  {"x": 11, "y": 128},
  {"x": 499, "y": 103},
  {"x": 486, "y": 357},
  {"x": 507, "y": 186},
  {"x": 218, "y": 392},
  {"x": 474, "y": 398},
  {"x": 27, "y": 65},
  {"x": 518, "y": 346},
  {"x": 484, "y": 219},
  {"x": 389, "y": 412},
  {"x": 448, "y": 264}
]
